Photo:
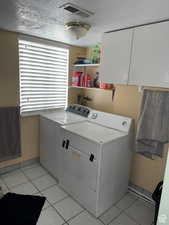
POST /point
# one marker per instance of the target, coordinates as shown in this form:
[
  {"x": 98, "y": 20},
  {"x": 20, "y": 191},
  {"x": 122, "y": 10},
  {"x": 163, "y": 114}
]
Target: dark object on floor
[
  {"x": 18, "y": 209},
  {"x": 157, "y": 197}
]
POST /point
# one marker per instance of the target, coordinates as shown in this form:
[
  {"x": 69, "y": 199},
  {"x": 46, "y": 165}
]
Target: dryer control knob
[
  {"x": 94, "y": 116},
  {"x": 124, "y": 123}
]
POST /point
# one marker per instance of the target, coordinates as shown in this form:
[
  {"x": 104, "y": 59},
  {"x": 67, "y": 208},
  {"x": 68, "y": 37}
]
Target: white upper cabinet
[
  {"x": 115, "y": 57},
  {"x": 150, "y": 56}
]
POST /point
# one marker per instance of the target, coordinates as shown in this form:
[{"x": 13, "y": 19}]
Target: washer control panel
[{"x": 78, "y": 109}]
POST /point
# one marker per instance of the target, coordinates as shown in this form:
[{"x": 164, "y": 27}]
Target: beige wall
[
  {"x": 8, "y": 69},
  {"x": 9, "y": 96},
  {"x": 9, "y": 93}
]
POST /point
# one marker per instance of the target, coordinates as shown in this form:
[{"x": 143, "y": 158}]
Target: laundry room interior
[{"x": 84, "y": 126}]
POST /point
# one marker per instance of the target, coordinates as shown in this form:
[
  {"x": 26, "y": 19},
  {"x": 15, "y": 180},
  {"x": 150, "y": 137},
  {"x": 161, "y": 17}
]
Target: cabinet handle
[
  {"x": 67, "y": 144},
  {"x": 63, "y": 143},
  {"x": 91, "y": 157}
]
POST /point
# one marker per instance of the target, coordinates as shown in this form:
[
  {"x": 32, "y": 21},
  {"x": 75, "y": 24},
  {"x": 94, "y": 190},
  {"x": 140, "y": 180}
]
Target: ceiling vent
[{"x": 74, "y": 9}]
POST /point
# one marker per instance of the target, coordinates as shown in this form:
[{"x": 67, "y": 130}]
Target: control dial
[
  {"x": 94, "y": 116},
  {"x": 124, "y": 123}
]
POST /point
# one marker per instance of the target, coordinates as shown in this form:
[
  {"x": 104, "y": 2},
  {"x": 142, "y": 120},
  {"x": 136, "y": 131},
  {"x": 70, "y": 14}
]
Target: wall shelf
[
  {"x": 90, "y": 88},
  {"x": 86, "y": 65}
]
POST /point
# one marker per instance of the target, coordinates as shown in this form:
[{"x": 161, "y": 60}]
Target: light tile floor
[{"x": 61, "y": 209}]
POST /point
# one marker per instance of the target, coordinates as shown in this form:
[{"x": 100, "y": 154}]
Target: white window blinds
[{"x": 43, "y": 76}]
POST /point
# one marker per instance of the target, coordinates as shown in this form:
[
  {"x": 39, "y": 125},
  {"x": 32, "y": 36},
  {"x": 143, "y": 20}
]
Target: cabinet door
[
  {"x": 79, "y": 177},
  {"x": 115, "y": 57},
  {"x": 77, "y": 166},
  {"x": 150, "y": 56},
  {"x": 49, "y": 146}
]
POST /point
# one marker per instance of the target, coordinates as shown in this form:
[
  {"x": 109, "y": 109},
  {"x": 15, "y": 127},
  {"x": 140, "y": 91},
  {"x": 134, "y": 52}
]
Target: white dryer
[{"x": 96, "y": 156}]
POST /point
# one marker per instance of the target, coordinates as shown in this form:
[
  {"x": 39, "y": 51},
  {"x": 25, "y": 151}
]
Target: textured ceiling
[{"x": 44, "y": 18}]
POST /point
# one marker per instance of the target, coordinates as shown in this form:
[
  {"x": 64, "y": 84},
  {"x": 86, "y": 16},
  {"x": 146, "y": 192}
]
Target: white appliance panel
[
  {"x": 110, "y": 120},
  {"x": 79, "y": 142},
  {"x": 49, "y": 140},
  {"x": 115, "y": 172},
  {"x": 63, "y": 117},
  {"x": 77, "y": 164},
  {"x": 85, "y": 195},
  {"x": 94, "y": 132}
]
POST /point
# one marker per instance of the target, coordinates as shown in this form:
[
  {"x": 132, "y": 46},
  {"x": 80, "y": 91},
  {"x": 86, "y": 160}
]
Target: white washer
[
  {"x": 95, "y": 157},
  {"x": 50, "y": 123}
]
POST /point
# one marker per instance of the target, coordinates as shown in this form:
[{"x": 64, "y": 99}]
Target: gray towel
[
  {"x": 153, "y": 123},
  {"x": 9, "y": 133}
]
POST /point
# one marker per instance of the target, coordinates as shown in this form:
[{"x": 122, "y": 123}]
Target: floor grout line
[
  {"x": 14, "y": 185},
  {"x": 122, "y": 211},
  {"x": 50, "y": 204},
  {"x": 31, "y": 181},
  {"x": 58, "y": 213},
  {"x": 132, "y": 218},
  {"x": 40, "y": 191},
  {"x": 45, "y": 188},
  {"x": 115, "y": 217},
  {"x": 19, "y": 170},
  {"x": 5, "y": 183},
  {"x": 66, "y": 221},
  {"x": 75, "y": 216},
  {"x": 30, "y": 166},
  {"x": 139, "y": 199},
  {"x": 106, "y": 212},
  {"x": 25, "y": 169},
  {"x": 36, "y": 177},
  {"x": 128, "y": 206}
]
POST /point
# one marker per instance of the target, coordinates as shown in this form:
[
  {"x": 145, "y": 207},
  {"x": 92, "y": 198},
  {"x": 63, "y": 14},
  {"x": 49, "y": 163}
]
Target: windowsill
[{"x": 39, "y": 112}]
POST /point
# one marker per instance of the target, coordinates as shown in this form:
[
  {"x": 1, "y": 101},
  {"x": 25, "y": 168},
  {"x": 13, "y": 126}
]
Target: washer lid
[
  {"x": 63, "y": 117},
  {"x": 94, "y": 132}
]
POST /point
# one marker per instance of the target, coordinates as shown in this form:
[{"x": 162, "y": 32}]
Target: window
[{"x": 43, "y": 76}]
